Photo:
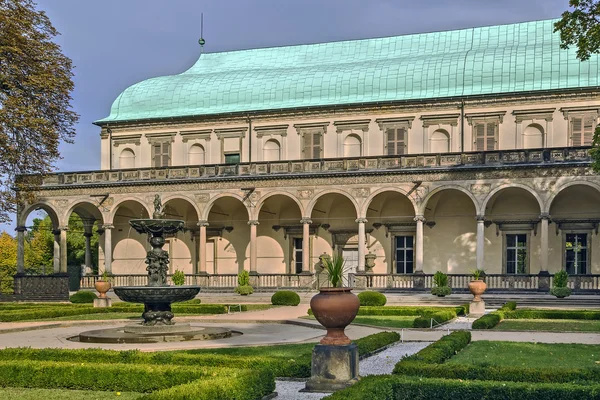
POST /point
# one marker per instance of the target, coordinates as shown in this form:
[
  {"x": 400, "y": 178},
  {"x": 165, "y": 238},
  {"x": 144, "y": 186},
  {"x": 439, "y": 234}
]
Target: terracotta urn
[
  {"x": 102, "y": 287},
  {"x": 477, "y": 288},
  {"x": 335, "y": 309}
]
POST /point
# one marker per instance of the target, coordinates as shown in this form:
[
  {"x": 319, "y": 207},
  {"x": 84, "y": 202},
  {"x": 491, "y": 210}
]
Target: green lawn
[
  {"x": 387, "y": 321},
  {"x": 534, "y": 355},
  {"x": 44, "y": 394},
  {"x": 553, "y": 325}
]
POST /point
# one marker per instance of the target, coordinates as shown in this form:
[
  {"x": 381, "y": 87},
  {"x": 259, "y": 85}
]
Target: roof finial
[{"x": 201, "y": 41}]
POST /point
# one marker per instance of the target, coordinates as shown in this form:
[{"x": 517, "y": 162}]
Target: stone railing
[
  {"x": 408, "y": 282},
  {"x": 327, "y": 166}
]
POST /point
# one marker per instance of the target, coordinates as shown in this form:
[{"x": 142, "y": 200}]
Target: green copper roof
[{"x": 479, "y": 61}]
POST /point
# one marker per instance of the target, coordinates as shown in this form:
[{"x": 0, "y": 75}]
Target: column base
[
  {"x": 476, "y": 309},
  {"x": 102, "y": 302},
  {"x": 333, "y": 368}
]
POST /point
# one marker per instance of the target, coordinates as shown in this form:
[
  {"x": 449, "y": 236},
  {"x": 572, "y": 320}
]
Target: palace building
[{"x": 407, "y": 155}]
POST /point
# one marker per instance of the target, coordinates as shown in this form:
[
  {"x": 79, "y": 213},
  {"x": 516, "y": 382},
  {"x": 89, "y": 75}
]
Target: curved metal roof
[{"x": 478, "y": 61}]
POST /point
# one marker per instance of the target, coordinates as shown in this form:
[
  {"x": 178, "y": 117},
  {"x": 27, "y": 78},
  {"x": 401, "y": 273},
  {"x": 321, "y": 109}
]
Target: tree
[
  {"x": 35, "y": 101},
  {"x": 581, "y": 28},
  {"x": 8, "y": 262}
]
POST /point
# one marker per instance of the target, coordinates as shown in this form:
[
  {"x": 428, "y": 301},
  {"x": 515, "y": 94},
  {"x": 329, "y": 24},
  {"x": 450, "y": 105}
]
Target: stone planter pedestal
[
  {"x": 102, "y": 302},
  {"x": 333, "y": 368},
  {"x": 476, "y": 309}
]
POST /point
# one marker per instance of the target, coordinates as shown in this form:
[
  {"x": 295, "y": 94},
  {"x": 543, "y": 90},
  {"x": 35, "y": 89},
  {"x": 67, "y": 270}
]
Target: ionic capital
[
  {"x": 545, "y": 216},
  {"x": 253, "y": 222},
  {"x": 419, "y": 218},
  {"x": 108, "y": 226},
  {"x": 202, "y": 223},
  {"x": 306, "y": 220},
  {"x": 361, "y": 221},
  {"x": 480, "y": 218}
]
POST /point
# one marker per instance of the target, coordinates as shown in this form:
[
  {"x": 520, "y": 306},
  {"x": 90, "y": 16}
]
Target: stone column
[
  {"x": 361, "y": 245},
  {"x": 108, "y": 247},
  {"x": 63, "y": 249},
  {"x": 480, "y": 240},
  {"x": 21, "y": 249},
  {"x": 56, "y": 253},
  {"x": 202, "y": 248},
  {"x": 306, "y": 221},
  {"x": 420, "y": 220},
  {"x": 253, "y": 224},
  {"x": 88, "y": 250},
  {"x": 544, "y": 276}
]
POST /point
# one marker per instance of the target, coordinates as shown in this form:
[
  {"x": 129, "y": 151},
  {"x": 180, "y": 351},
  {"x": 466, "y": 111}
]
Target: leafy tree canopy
[
  {"x": 581, "y": 27},
  {"x": 35, "y": 100}
]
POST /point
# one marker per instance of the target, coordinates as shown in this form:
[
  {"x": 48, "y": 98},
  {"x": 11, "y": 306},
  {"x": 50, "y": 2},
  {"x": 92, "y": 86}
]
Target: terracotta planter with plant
[
  {"x": 103, "y": 285},
  {"x": 335, "y": 307},
  {"x": 477, "y": 286}
]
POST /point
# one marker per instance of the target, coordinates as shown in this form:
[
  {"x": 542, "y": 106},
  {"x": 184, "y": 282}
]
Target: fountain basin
[
  {"x": 157, "y": 226},
  {"x": 156, "y": 294}
]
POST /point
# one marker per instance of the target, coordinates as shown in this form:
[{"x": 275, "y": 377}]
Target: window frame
[
  {"x": 303, "y": 147},
  {"x": 162, "y": 143},
  {"x": 505, "y": 249},
  {"x": 588, "y": 248},
  {"x": 294, "y": 261},
  {"x": 486, "y": 122},
  {"x": 583, "y": 116},
  {"x": 395, "y": 253},
  {"x": 396, "y": 142}
]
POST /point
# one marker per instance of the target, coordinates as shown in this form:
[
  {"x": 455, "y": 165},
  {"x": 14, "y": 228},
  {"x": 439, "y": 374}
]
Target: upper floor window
[
  {"x": 161, "y": 154},
  {"x": 485, "y": 136},
  {"x": 582, "y": 129},
  {"x": 231, "y": 144},
  {"x": 127, "y": 159},
  {"x": 232, "y": 158},
  {"x": 196, "y": 155},
  {"x": 396, "y": 141},
  {"x": 313, "y": 145},
  {"x": 271, "y": 150}
]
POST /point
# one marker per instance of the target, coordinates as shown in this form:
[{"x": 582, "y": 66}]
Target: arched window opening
[
  {"x": 439, "y": 142},
  {"x": 272, "y": 150},
  {"x": 352, "y": 146},
  {"x": 196, "y": 155},
  {"x": 533, "y": 137},
  {"x": 127, "y": 159}
]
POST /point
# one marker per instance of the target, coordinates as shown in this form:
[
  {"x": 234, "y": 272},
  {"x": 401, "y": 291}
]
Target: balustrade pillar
[
  {"x": 361, "y": 244},
  {"x": 63, "y": 249},
  {"x": 108, "y": 247},
  {"x": 202, "y": 248},
  {"x": 253, "y": 224},
  {"x": 21, "y": 249},
  {"x": 420, "y": 220},
  {"x": 480, "y": 240},
  {"x": 305, "y": 245}
]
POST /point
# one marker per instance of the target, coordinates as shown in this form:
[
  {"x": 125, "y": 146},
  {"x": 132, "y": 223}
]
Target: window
[
  {"x": 576, "y": 253},
  {"x": 516, "y": 253},
  {"x": 298, "y": 255},
  {"x": 439, "y": 142},
  {"x": 271, "y": 151},
  {"x": 161, "y": 154},
  {"x": 404, "y": 254},
  {"x": 485, "y": 136},
  {"x": 396, "y": 141},
  {"x": 232, "y": 158},
  {"x": 352, "y": 146},
  {"x": 196, "y": 155},
  {"x": 313, "y": 146},
  {"x": 582, "y": 129},
  {"x": 127, "y": 159}
]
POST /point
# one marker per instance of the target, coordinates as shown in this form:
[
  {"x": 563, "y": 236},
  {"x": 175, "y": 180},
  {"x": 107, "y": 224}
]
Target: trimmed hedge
[
  {"x": 440, "y": 317},
  {"x": 83, "y": 297},
  {"x": 369, "y": 344},
  {"x": 385, "y": 387},
  {"x": 489, "y": 321},
  {"x": 553, "y": 314},
  {"x": 440, "y": 351},
  {"x": 247, "y": 385},
  {"x": 370, "y": 298},
  {"x": 285, "y": 298},
  {"x": 407, "y": 311}
]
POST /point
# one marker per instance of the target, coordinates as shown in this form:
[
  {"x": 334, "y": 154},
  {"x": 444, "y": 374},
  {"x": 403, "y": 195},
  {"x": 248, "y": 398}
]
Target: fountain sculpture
[{"x": 157, "y": 296}]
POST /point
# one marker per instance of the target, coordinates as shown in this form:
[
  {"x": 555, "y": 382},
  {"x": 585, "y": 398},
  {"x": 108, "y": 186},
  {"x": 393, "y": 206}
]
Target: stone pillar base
[
  {"x": 476, "y": 309},
  {"x": 419, "y": 280},
  {"x": 544, "y": 281},
  {"x": 102, "y": 302},
  {"x": 333, "y": 368}
]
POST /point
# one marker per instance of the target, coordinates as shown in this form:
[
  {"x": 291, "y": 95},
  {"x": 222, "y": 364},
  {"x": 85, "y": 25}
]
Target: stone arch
[
  {"x": 313, "y": 201},
  {"x": 185, "y": 198},
  {"x": 42, "y": 205},
  {"x": 265, "y": 197},
  {"x": 212, "y": 202},
  {"x": 114, "y": 209},
  {"x": 423, "y": 205},
  {"x": 528, "y": 189},
  {"x": 561, "y": 188},
  {"x": 369, "y": 199},
  {"x": 88, "y": 209}
]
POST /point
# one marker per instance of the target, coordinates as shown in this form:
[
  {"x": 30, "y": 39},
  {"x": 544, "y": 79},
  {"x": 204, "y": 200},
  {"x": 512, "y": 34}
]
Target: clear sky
[{"x": 116, "y": 43}]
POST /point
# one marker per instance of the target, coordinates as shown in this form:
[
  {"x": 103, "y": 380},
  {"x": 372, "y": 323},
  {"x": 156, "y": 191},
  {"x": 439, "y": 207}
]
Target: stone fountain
[{"x": 157, "y": 296}]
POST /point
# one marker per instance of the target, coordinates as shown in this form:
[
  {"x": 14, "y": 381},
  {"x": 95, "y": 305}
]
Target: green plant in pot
[
  {"x": 477, "y": 286},
  {"x": 335, "y": 307},
  {"x": 559, "y": 285},
  {"x": 103, "y": 284},
  {"x": 244, "y": 287},
  {"x": 441, "y": 288}
]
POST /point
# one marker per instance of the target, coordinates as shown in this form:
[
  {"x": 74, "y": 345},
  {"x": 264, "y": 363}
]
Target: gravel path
[
  {"x": 378, "y": 364},
  {"x": 459, "y": 323}
]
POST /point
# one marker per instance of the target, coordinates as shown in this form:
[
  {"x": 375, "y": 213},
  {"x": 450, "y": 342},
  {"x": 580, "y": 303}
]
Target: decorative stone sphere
[{"x": 157, "y": 241}]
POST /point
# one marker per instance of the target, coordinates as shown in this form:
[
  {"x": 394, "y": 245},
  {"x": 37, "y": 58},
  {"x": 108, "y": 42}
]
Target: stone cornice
[
  {"x": 197, "y": 134},
  {"x": 270, "y": 130},
  {"x": 498, "y": 115},
  {"x": 358, "y": 124},
  {"x": 581, "y": 109},
  {"x": 440, "y": 119}
]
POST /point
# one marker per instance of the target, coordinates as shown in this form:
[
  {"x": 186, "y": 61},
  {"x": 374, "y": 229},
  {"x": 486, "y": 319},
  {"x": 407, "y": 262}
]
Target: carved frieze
[
  {"x": 305, "y": 194},
  {"x": 480, "y": 188},
  {"x": 361, "y": 192},
  {"x": 202, "y": 197}
]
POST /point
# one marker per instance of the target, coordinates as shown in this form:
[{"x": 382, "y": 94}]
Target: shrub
[
  {"x": 439, "y": 317},
  {"x": 83, "y": 297},
  {"x": 440, "y": 279},
  {"x": 370, "y": 298},
  {"x": 369, "y": 344},
  {"x": 244, "y": 287},
  {"x": 285, "y": 298},
  {"x": 441, "y": 291},
  {"x": 552, "y": 314},
  {"x": 560, "y": 292},
  {"x": 178, "y": 278},
  {"x": 511, "y": 305},
  {"x": 559, "y": 285},
  {"x": 244, "y": 290},
  {"x": 443, "y": 349},
  {"x": 411, "y": 388},
  {"x": 487, "y": 321}
]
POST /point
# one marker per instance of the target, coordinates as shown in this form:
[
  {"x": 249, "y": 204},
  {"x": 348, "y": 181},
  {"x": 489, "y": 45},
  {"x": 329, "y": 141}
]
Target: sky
[{"x": 116, "y": 43}]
